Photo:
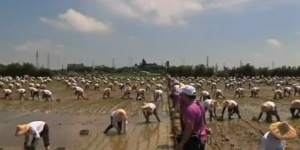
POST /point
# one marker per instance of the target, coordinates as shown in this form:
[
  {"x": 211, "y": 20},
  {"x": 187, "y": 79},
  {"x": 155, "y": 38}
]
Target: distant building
[
  {"x": 153, "y": 66},
  {"x": 75, "y": 65}
]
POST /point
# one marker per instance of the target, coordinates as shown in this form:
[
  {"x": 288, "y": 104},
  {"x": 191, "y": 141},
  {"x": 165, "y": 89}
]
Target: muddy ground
[
  {"x": 244, "y": 134},
  {"x": 68, "y": 117}
]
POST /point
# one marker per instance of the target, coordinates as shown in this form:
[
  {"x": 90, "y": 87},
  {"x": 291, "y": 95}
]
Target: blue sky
[{"x": 181, "y": 31}]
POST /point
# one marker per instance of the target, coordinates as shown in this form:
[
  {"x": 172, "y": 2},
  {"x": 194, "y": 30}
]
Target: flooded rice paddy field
[{"x": 67, "y": 117}]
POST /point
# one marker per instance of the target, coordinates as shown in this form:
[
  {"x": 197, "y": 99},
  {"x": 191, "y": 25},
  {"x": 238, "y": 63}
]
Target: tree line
[
  {"x": 246, "y": 70},
  {"x": 17, "y": 69}
]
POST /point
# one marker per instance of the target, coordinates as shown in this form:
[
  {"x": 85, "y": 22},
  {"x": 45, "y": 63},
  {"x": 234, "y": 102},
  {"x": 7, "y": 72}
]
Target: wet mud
[
  {"x": 244, "y": 134},
  {"x": 67, "y": 117}
]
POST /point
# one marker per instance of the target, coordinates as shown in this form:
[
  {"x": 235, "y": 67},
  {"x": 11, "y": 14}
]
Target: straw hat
[
  {"x": 227, "y": 103},
  {"x": 121, "y": 113},
  {"x": 283, "y": 131},
  {"x": 214, "y": 103},
  {"x": 22, "y": 129},
  {"x": 295, "y": 104}
]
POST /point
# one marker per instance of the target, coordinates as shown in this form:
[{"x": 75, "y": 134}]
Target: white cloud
[
  {"x": 274, "y": 43},
  {"x": 167, "y": 12},
  {"x": 45, "y": 45},
  {"x": 158, "y": 12},
  {"x": 74, "y": 20}
]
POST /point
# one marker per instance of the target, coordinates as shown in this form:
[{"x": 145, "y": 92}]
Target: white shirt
[
  {"x": 47, "y": 92},
  {"x": 33, "y": 89},
  {"x": 79, "y": 89},
  {"x": 268, "y": 142},
  {"x": 36, "y": 127},
  {"x": 116, "y": 119},
  {"x": 207, "y": 104},
  {"x": 21, "y": 90},
  {"x": 205, "y": 93},
  {"x": 151, "y": 107},
  {"x": 158, "y": 92},
  {"x": 8, "y": 91},
  {"x": 272, "y": 104},
  {"x": 234, "y": 103}
]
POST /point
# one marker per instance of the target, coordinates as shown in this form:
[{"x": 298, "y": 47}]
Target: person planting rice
[
  {"x": 232, "y": 107},
  {"x": 204, "y": 95},
  {"x": 295, "y": 105},
  {"x": 148, "y": 110},
  {"x": 275, "y": 138},
  {"x": 37, "y": 129},
  {"x": 7, "y": 93},
  {"x": 195, "y": 132},
  {"x": 270, "y": 109},
  {"x": 34, "y": 92},
  {"x": 141, "y": 94},
  {"x": 79, "y": 92},
  {"x": 46, "y": 95},
  {"x": 218, "y": 93},
  {"x": 118, "y": 120},
  {"x": 211, "y": 106}
]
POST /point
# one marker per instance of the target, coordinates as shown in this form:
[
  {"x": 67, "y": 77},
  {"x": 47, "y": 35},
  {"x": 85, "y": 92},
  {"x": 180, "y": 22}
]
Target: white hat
[{"x": 189, "y": 90}]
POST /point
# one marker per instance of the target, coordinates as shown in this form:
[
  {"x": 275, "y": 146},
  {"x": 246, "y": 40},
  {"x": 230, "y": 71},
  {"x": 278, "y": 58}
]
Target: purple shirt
[{"x": 195, "y": 113}]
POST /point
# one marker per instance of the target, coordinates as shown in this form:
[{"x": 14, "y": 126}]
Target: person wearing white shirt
[
  {"x": 204, "y": 96},
  {"x": 141, "y": 94},
  {"x": 239, "y": 92},
  {"x": 232, "y": 107},
  {"x": 7, "y": 93},
  {"x": 148, "y": 110},
  {"x": 270, "y": 109},
  {"x": 218, "y": 93},
  {"x": 34, "y": 92},
  {"x": 37, "y": 129},
  {"x": 79, "y": 92},
  {"x": 295, "y": 106},
  {"x": 118, "y": 120},
  {"x": 22, "y": 93},
  {"x": 211, "y": 106},
  {"x": 275, "y": 139},
  {"x": 46, "y": 95}
]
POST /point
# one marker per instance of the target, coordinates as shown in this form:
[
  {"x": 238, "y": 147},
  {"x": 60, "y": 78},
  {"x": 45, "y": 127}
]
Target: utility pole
[
  {"x": 273, "y": 64},
  {"x": 48, "y": 61},
  {"x": 37, "y": 59}
]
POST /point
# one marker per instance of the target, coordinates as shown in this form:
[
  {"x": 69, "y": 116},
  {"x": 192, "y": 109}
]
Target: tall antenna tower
[
  {"x": 58, "y": 62},
  {"x": 207, "y": 61},
  {"x": 113, "y": 63},
  {"x": 48, "y": 60},
  {"x": 273, "y": 64},
  {"x": 37, "y": 59}
]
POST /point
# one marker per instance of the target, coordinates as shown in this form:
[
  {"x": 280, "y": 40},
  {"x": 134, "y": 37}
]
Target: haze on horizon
[{"x": 87, "y": 31}]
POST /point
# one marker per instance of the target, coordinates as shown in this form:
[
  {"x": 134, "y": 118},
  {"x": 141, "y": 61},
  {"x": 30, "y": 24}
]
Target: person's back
[{"x": 196, "y": 113}]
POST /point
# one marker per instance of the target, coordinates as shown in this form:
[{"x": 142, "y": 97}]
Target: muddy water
[
  {"x": 64, "y": 132},
  {"x": 68, "y": 117}
]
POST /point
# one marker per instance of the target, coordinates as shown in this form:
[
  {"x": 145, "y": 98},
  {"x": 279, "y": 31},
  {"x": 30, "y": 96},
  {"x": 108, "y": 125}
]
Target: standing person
[
  {"x": 148, "y": 110},
  {"x": 36, "y": 128},
  {"x": 118, "y": 119},
  {"x": 195, "y": 135},
  {"x": 275, "y": 139},
  {"x": 180, "y": 106}
]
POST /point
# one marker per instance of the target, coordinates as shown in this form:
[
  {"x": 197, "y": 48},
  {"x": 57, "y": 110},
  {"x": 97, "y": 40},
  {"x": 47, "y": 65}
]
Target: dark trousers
[
  {"x": 181, "y": 122},
  {"x": 193, "y": 143},
  {"x": 45, "y": 135},
  {"x": 111, "y": 125}
]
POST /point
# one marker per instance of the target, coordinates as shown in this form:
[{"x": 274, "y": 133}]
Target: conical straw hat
[
  {"x": 283, "y": 131},
  {"x": 22, "y": 129},
  {"x": 227, "y": 103},
  {"x": 121, "y": 113},
  {"x": 295, "y": 104}
]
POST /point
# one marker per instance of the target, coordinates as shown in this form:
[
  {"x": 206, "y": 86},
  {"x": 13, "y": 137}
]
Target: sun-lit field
[{"x": 68, "y": 116}]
